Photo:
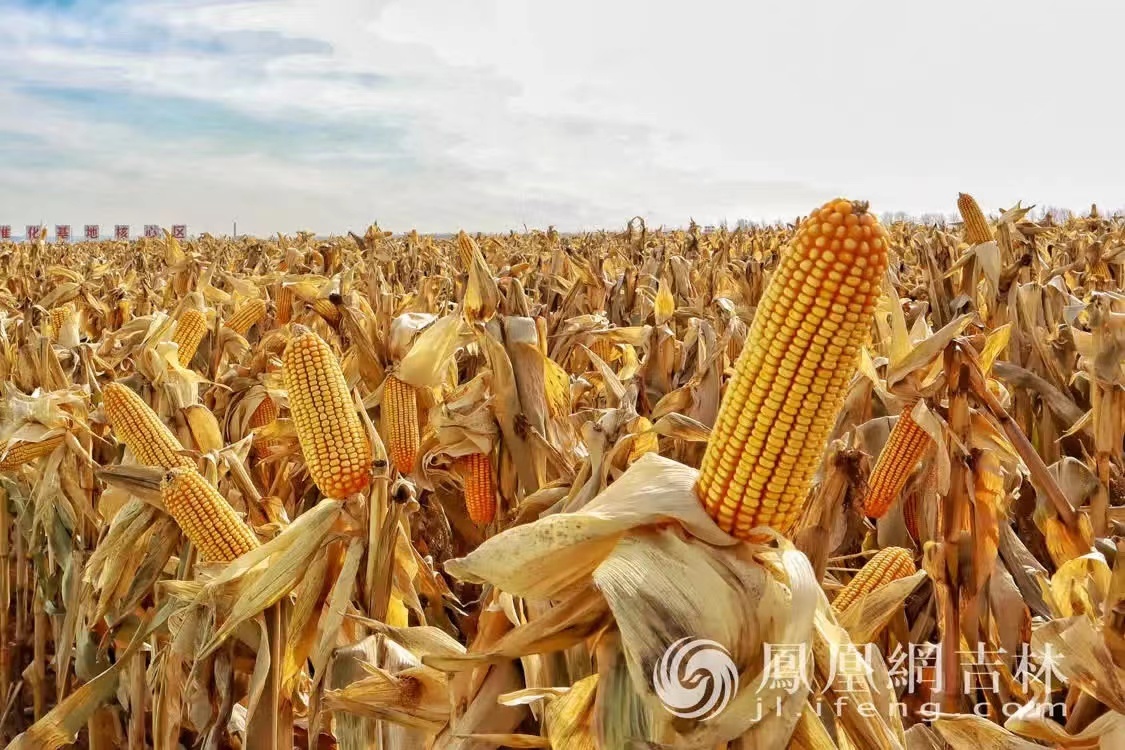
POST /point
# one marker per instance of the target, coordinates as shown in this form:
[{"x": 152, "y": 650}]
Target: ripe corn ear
[
  {"x": 480, "y": 492},
  {"x": 791, "y": 377},
  {"x": 22, "y": 452},
  {"x": 400, "y": 423},
  {"x": 905, "y": 447},
  {"x": 976, "y": 227},
  {"x": 189, "y": 332},
  {"x": 332, "y": 438},
  {"x": 246, "y": 316},
  {"x": 327, "y": 310},
  {"x": 205, "y": 516},
  {"x": 889, "y": 564},
  {"x": 284, "y": 305},
  {"x": 136, "y": 425}
]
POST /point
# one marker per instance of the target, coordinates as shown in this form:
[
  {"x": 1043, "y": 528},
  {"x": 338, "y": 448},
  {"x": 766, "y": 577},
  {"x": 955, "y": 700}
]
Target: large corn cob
[
  {"x": 976, "y": 227},
  {"x": 791, "y": 377},
  {"x": 136, "y": 425},
  {"x": 189, "y": 332},
  {"x": 205, "y": 516},
  {"x": 12, "y": 456},
  {"x": 246, "y": 316},
  {"x": 332, "y": 437},
  {"x": 889, "y": 564},
  {"x": 400, "y": 423},
  {"x": 480, "y": 492},
  {"x": 905, "y": 446}
]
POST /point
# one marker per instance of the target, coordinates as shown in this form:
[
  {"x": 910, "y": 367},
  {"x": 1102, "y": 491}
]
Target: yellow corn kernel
[
  {"x": 246, "y": 316},
  {"x": 976, "y": 227},
  {"x": 400, "y": 423},
  {"x": 22, "y": 452},
  {"x": 332, "y": 438},
  {"x": 480, "y": 491},
  {"x": 136, "y": 425},
  {"x": 906, "y": 445},
  {"x": 791, "y": 377},
  {"x": 205, "y": 516},
  {"x": 189, "y": 332},
  {"x": 889, "y": 564}
]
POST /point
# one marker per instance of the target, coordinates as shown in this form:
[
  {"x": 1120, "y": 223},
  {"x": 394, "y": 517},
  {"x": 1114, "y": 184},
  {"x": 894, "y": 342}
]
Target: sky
[{"x": 489, "y": 115}]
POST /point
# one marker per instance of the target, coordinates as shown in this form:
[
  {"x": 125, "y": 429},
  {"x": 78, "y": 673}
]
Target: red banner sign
[
  {"x": 5, "y": 231},
  {"x": 62, "y": 232},
  {"x": 121, "y": 232},
  {"x": 179, "y": 231},
  {"x": 92, "y": 231},
  {"x": 152, "y": 230},
  {"x": 31, "y": 233}
]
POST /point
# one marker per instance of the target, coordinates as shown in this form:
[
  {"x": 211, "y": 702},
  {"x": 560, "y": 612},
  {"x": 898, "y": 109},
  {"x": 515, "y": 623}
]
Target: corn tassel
[
  {"x": 791, "y": 377},
  {"x": 335, "y": 446},
  {"x": 205, "y": 516},
  {"x": 400, "y": 423},
  {"x": 905, "y": 447},
  {"x": 889, "y": 564}
]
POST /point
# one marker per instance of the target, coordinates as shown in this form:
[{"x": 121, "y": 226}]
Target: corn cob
[
  {"x": 57, "y": 318},
  {"x": 136, "y": 425},
  {"x": 332, "y": 437},
  {"x": 976, "y": 227},
  {"x": 12, "y": 456},
  {"x": 265, "y": 414},
  {"x": 284, "y": 305},
  {"x": 480, "y": 492},
  {"x": 205, "y": 516},
  {"x": 325, "y": 308},
  {"x": 889, "y": 564},
  {"x": 604, "y": 349},
  {"x": 189, "y": 332},
  {"x": 905, "y": 446},
  {"x": 645, "y": 439},
  {"x": 400, "y": 423},
  {"x": 246, "y": 316},
  {"x": 791, "y": 376}
]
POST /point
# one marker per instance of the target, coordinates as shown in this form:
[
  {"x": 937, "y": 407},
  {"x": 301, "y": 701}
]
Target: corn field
[{"x": 408, "y": 492}]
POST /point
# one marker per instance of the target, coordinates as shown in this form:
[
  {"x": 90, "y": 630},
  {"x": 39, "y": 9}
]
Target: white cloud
[{"x": 579, "y": 114}]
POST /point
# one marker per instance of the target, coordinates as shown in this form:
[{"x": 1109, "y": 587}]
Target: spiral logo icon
[{"x": 695, "y": 678}]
